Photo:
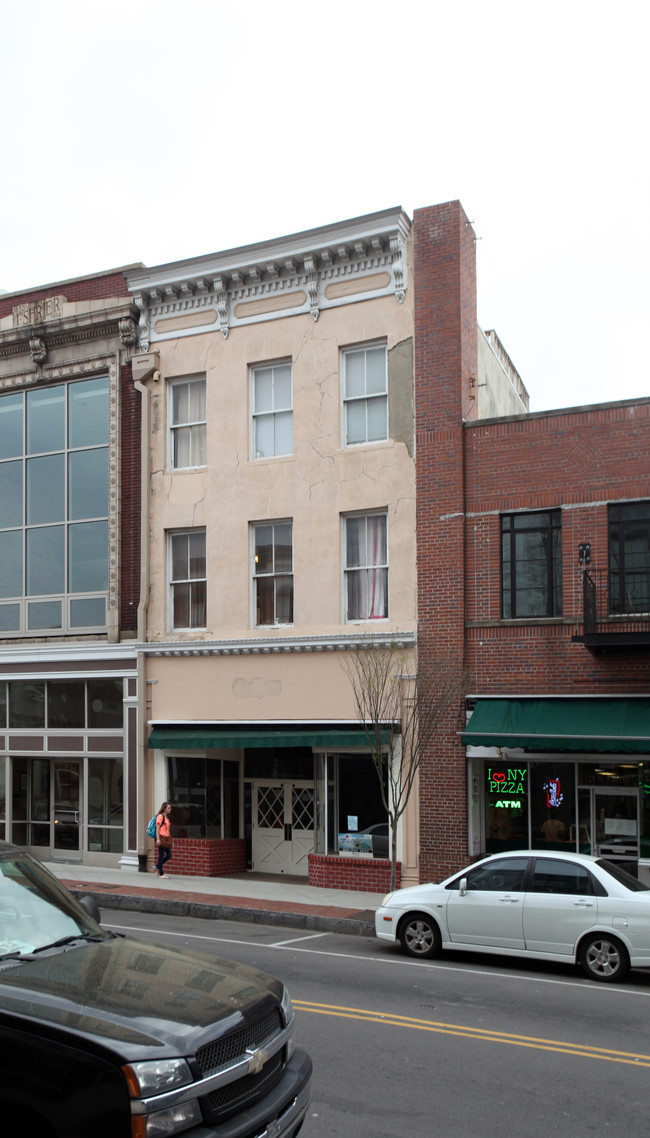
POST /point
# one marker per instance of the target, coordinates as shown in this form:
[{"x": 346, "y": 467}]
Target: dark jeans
[{"x": 164, "y": 854}]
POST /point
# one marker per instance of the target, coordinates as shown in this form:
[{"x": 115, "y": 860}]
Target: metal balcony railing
[{"x": 615, "y": 609}]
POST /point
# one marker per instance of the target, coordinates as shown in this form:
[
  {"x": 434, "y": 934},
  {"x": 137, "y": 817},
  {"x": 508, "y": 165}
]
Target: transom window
[
  {"x": 366, "y": 566},
  {"x": 54, "y": 508},
  {"x": 64, "y": 704},
  {"x": 272, "y": 418},
  {"x": 365, "y": 394},
  {"x": 531, "y": 564},
  {"x": 187, "y": 417},
  {"x": 273, "y": 572},
  {"x": 629, "y": 557},
  {"x": 188, "y": 579}
]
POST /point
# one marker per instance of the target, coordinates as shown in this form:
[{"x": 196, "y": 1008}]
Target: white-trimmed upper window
[
  {"x": 272, "y": 410},
  {"x": 187, "y": 579},
  {"x": 365, "y": 538},
  {"x": 365, "y": 394},
  {"x": 273, "y": 572},
  {"x": 187, "y": 423}
]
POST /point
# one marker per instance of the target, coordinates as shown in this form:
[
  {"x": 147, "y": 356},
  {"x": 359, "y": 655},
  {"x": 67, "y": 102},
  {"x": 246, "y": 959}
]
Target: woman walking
[{"x": 163, "y": 838}]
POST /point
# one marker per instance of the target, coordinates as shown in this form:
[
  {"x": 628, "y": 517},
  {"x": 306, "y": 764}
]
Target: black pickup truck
[{"x": 115, "y": 1037}]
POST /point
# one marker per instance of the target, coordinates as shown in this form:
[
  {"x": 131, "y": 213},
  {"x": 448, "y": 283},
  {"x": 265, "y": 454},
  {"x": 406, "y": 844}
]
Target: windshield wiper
[{"x": 84, "y": 937}]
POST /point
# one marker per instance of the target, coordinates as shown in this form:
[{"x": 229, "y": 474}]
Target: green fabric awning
[
  {"x": 614, "y": 725},
  {"x": 171, "y": 737}
]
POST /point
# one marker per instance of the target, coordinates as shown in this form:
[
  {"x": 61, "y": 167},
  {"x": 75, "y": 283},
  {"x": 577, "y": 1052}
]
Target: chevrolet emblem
[{"x": 257, "y": 1060}]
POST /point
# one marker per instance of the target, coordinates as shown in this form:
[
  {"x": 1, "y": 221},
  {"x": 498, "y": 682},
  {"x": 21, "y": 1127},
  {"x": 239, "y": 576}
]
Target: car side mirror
[
  {"x": 88, "y": 902},
  {"x": 462, "y": 887}
]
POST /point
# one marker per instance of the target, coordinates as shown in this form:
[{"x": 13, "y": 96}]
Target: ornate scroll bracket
[{"x": 312, "y": 287}]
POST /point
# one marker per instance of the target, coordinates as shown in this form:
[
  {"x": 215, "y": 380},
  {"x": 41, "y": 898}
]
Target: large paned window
[
  {"x": 365, "y": 395},
  {"x": 205, "y": 794},
  {"x": 105, "y": 805},
  {"x": 54, "y": 508},
  {"x": 531, "y": 564},
  {"x": 188, "y": 579},
  {"x": 273, "y": 572},
  {"x": 629, "y": 558},
  {"x": 187, "y": 418},
  {"x": 349, "y": 805},
  {"x": 366, "y": 566},
  {"x": 3, "y": 797},
  {"x": 272, "y": 410},
  {"x": 62, "y": 704}
]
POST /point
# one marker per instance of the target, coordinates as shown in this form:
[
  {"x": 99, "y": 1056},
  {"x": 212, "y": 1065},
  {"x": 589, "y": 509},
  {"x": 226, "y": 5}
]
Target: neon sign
[
  {"x": 553, "y": 795},
  {"x": 509, "y": 786}
]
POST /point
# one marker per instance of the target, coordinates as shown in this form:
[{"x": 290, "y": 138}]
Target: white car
[{"x": 545, "y": 906}]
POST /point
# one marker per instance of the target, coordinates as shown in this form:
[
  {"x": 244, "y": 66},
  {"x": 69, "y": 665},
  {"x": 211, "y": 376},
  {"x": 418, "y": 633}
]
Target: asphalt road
[{"x": 467, "y": 1045}]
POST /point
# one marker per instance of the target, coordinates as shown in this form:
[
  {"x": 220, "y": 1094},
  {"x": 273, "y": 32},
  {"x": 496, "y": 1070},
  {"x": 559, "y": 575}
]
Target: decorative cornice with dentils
[
  {"x": 249, "y": 284},
  {"x": 278, "y": 645}
]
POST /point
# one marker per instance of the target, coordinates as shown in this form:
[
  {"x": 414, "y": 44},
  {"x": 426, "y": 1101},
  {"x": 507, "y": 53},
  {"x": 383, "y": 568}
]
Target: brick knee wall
[
  {"x": 365, "y": 874},
  {"x": 206, "y": 857}
]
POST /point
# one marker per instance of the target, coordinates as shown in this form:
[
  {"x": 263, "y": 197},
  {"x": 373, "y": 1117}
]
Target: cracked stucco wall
[{"x": 317, "y": 484}]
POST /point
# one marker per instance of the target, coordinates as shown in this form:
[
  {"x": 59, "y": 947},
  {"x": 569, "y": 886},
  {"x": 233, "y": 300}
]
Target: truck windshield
[{"x": 35, "y": 909}]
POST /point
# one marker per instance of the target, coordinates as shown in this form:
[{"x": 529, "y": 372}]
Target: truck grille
[{"x": 225, "y": 1052}]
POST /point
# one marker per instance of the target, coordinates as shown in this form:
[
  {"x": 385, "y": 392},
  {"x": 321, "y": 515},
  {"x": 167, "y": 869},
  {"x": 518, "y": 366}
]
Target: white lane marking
[
  {"x": 296, "y": 939},
  {"x": 584, "y": 985}
]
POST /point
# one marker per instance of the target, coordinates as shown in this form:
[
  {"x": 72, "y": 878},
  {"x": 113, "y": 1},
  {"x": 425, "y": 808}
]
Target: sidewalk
[{"x": 248, "y": 897}]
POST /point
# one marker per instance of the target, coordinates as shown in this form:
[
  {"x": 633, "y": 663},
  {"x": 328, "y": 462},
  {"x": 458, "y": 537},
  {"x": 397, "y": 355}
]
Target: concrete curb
[{"x": 174, "y": 907}]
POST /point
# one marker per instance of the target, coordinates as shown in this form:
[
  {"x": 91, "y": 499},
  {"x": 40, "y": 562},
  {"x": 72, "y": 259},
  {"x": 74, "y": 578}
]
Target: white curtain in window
[{"x": 367, "y": 572}]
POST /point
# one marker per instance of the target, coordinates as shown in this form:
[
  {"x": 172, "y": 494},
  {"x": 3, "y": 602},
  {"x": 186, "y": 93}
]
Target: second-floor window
[
  {"x": 272, "y": 417},
  {"x": 366, "y": 567},
  {"x": 531, "y": 564},
  {"x": 365, "y": 394},
  {"x": 187, "y": 577},
  {"x": 187, "y": 418},
  {"x": 54, "y": 492},
  {"x": 273, "y": 572},
  {"x": 629, "y": 557}
]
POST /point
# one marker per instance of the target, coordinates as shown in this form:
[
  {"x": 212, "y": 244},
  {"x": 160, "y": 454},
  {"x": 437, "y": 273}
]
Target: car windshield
[
  {"x": 36, "y": 911},
  {"x": 621, "y": 875}
]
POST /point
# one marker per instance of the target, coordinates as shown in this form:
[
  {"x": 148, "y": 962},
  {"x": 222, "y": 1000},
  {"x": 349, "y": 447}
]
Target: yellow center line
[{"x": 480, "y": 1033}]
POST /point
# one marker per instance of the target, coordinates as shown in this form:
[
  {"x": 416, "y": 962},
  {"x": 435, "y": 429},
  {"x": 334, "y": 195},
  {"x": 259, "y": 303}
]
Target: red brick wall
[
  {"x": 207, "y": 857},
  {"x": 364, "y": 874},
  {"x": 445, "y": 364},
  {"x": 579, "y": 461},
  {"x": 92, "y": 288}
]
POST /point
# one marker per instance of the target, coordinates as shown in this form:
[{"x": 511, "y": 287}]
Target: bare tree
[{"x": 400, "y": 709}]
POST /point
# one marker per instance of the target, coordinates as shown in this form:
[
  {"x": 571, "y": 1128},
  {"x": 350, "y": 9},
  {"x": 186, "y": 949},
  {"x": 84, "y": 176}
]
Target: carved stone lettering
[{"x": 37, "y": 311}]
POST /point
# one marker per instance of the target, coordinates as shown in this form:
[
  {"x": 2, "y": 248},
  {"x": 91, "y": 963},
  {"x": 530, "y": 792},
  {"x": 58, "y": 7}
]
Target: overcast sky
[{"x": 148, "y": 132}]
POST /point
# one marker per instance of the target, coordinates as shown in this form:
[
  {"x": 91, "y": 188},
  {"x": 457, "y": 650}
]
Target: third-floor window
[
  {"x": 531, "y": 564},
  {"x": 629, "y": 557},
  {"x": 187, "y": 418},
  {"x": 272, "y": 410}
]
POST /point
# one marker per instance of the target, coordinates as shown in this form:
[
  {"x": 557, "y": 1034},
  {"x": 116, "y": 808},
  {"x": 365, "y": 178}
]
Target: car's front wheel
[
  {"x": 420, "y": 936},
  {"x": 603, "y": 957}
]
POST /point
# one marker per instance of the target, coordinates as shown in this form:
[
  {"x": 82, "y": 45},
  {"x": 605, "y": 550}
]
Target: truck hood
[{"x": 138, "y": 999}]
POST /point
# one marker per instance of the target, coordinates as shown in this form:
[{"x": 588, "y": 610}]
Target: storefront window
[
  {"x": 66, "y": 703},
  {"x": 105, "y": 707},
  {"x": 204, "y": 794},
  {"x": 26, "y": 704},
  {"x": 105, "y": 809},
  {"x": 644, "y": 779},
  {"x": 552, "y": 805},
  {"x": 605, "y": 773},
  {"x": 3, "y": 796},
  {"x": 279, "y": 762},
  {"x": 360, "y": 820},
  {"x": 506, "y": 805}
]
